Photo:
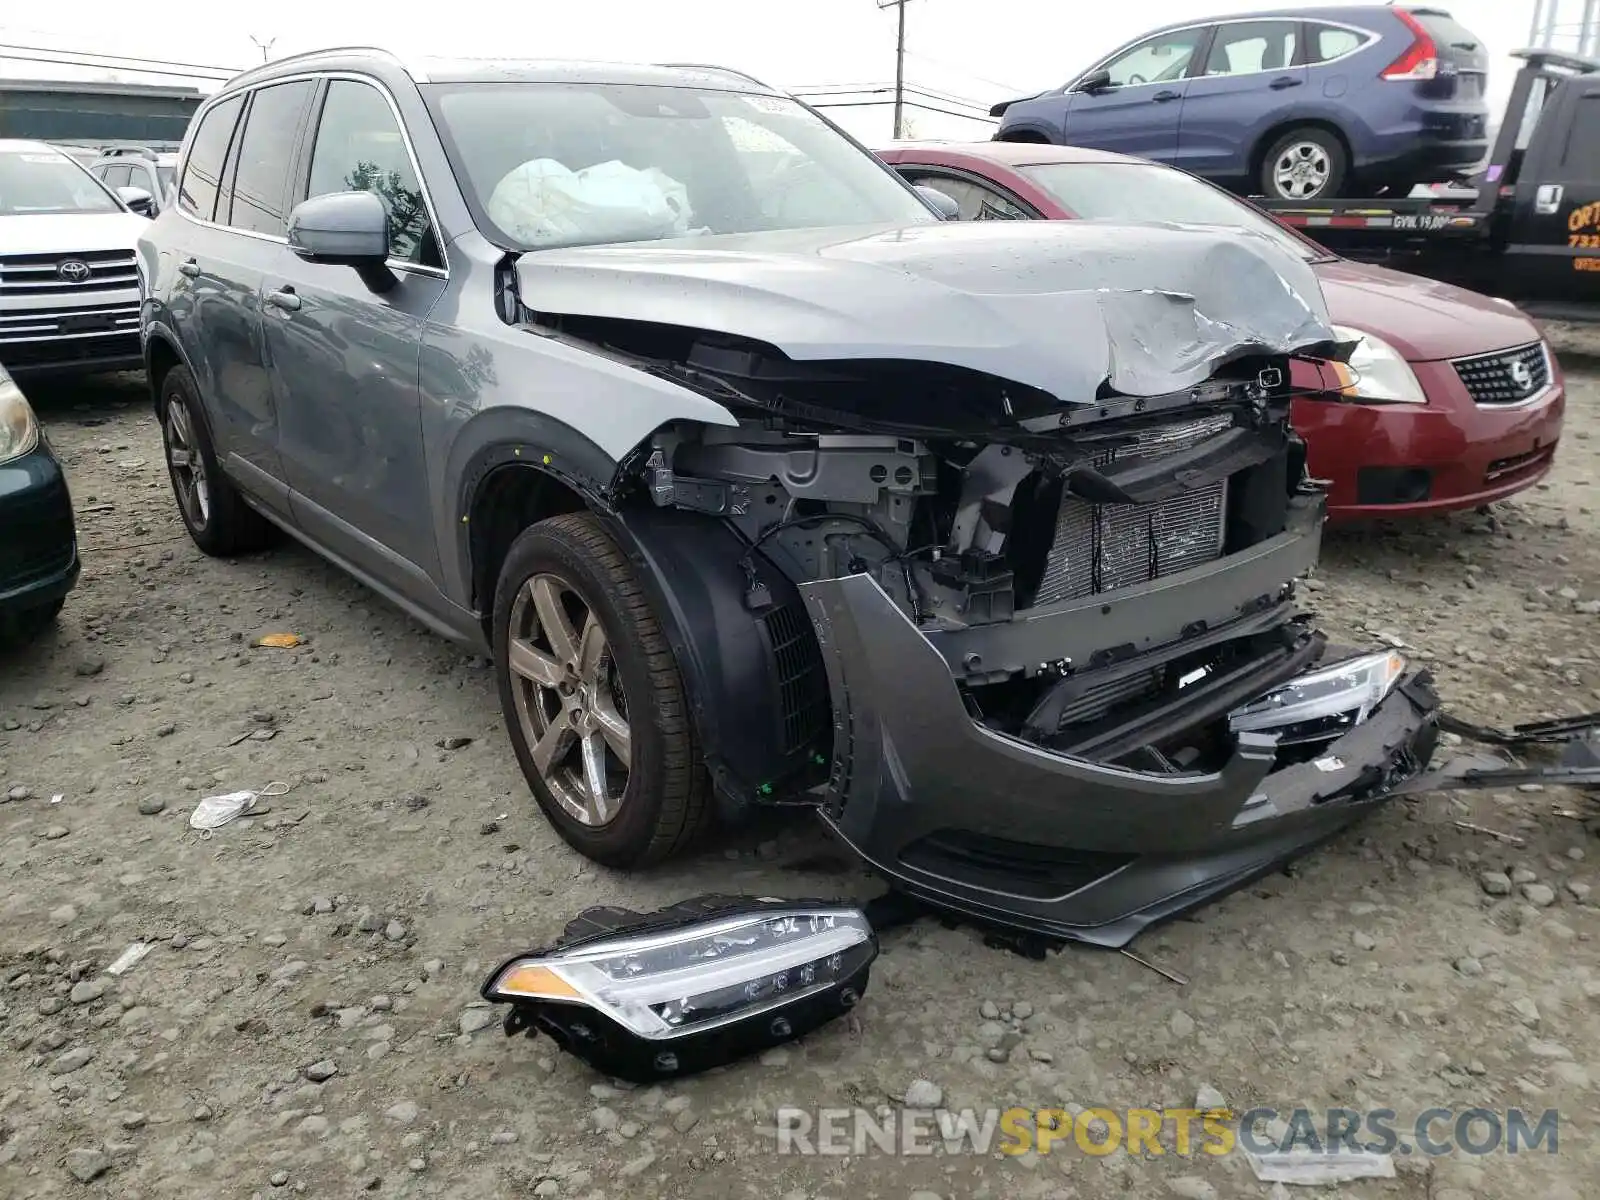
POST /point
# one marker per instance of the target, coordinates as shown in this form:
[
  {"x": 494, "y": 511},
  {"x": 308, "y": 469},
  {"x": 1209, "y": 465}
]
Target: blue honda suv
[{"x": 1294, "y": 105}]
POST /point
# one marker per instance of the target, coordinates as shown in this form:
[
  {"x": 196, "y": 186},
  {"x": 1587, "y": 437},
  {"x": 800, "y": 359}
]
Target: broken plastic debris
[
  {"x": 213, "y": 812},
  {"x": 1311, "y": 1168},
  {"x": 58, "y": 798},
  {"x": 129, "y": 958},
  {"x": 279, "y": 641}
]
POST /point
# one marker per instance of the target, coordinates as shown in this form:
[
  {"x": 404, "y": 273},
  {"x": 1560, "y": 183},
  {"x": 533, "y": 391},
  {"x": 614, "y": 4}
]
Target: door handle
[
  {"x": 284, "y": 298},
  {"x": 189, "y": 267},
  {"x": 1284, "y": 81},
  {"x": 1547, "y": 199},
  {"x": 1163, "y": 97}
]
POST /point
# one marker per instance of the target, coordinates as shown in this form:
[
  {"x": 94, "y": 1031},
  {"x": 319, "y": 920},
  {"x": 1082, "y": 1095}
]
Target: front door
[
  {"x": 1138, "y": 113},
  {"x": 1553, "y": 253},
  {"x": 344, "y": 359}
]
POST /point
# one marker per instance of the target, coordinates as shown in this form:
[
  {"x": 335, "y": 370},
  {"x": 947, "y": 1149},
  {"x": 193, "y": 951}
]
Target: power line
[
  {"x": 151, "y": 65},
  {"x": 965, "y": 74},
  {"x": 886, "y": 89},
  {"x": 904, "y": 104}
]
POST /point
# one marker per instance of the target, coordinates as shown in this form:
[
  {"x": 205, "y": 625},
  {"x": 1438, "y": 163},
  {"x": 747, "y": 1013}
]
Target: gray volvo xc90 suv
[{"x": 761, "y": 483}]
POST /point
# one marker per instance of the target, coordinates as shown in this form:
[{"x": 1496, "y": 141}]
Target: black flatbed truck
[{"x": 1526, "y": 228}]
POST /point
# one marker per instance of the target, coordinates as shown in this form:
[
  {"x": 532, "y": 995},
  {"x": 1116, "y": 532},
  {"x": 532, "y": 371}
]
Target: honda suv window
[
  {"x": 261, "y": 182},
  {"x": 545, "y": 165},
  {"x": 1328, "y": 42},
  {"x": 1160, "y": 59},
  {"x": 1245, "y": 47},
  {"x": 359, "y": 148},
  {"x": 202, "y": 172},
  {"x": 40, "y": 181}
]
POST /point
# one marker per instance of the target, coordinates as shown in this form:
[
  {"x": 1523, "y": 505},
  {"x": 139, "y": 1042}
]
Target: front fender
[{"x": 508, "y": 394}]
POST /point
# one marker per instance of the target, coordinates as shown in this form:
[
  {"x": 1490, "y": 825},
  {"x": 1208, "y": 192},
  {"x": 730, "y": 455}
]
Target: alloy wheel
[
  {"x": 187, "y": 465},
  {"x": 1301, "y": 171},
  {"x": 569, "y": 699}
]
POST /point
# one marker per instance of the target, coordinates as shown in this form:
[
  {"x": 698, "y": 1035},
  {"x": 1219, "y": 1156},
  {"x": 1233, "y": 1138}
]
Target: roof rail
[
  {"x": 127, "y": 149},
  {"x": 1538, "y": 57},
  {"x": 267, "y": 68},
  {"x": 718, "y": 70}
]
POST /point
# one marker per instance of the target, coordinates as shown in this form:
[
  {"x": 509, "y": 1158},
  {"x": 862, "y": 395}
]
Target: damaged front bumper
[{"x": 1073, "y": 845}]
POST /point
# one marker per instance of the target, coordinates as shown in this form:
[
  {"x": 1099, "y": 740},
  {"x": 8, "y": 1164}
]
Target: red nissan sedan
[{"x": 1452, "y": 400}]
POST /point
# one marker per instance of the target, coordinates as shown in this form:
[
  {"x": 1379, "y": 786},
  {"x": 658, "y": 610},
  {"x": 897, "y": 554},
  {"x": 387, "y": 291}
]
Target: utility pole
[
  {"x": 264, "y": 47},
  {"x": 899, "y": 65}
]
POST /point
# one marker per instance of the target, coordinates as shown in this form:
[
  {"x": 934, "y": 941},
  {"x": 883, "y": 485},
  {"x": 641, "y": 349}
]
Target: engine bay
[{"x": 976, "y": 505}]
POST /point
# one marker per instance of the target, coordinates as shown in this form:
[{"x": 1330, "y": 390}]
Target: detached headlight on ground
[
  {"x": 1324, "y": 701},
  {"x": 1377, "y": 373},
  {"x": 658, "y": 995},
  {"x": 19, "y": 431}
]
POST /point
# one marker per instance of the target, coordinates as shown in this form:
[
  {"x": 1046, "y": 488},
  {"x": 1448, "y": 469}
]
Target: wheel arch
[
  {"x": 1258, "y": 153},
  {"x": 161, "y": 354}
]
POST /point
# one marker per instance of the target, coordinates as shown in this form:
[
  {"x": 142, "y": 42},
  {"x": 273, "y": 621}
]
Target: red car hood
[{"x": 1421, "y": 319}]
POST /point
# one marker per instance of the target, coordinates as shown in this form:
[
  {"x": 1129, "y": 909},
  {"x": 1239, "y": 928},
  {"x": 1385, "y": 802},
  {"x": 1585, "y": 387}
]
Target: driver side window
[{"x": 1160, "y": 59}]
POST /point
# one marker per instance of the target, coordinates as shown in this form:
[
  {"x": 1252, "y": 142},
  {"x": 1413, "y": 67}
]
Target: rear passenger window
[
  {"x": 1245, "y": 47},
  {"x": 261, "y": 183},
  {"x": 1330, "y": 42},
  {"x": 120, "y": 175},
  {"x": 359, "y": 148},
  {"x": 202, "y": 171}
]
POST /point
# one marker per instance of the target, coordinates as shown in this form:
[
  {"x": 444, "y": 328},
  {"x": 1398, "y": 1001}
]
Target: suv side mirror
[
  {"x": 139, "y": 200},
  {"x": 347, "y": 229},
  {"x": 1094, "y": 81},
  {"x": 942, "y": 202}
]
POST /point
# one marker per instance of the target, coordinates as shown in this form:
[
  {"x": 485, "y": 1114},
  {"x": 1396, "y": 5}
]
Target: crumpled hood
[
  {"x": 67, "y": 234},
  {"x": 1058, "y": 305},
  {"x": 1423, "y": 319}
]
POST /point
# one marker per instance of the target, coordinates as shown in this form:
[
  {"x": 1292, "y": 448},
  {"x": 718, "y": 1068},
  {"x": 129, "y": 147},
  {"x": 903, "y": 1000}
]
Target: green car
[{"x": 38, "y": 538}]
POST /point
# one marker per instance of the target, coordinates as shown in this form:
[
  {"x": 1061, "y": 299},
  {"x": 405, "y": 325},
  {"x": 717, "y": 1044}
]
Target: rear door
[
  {"x": 1138, "y": 114},
  {"x": 345, "y": 359},
  {"x": 1553, "y": 252},
  {"x": 211, "y": 303},
  {"x": 1252, "y": 73},
  {"x": 229, "y": 257}
]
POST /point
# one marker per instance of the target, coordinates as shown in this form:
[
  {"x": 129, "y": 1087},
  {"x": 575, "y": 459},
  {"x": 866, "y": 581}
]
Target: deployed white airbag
[{"x": 543, "y": 203}]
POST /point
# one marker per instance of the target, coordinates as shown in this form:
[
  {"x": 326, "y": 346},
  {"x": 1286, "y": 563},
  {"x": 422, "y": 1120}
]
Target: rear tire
[
  {"x": 597, "y": 710},
  {"x": 215, "y": 514},
  {"x": 1306, "y": 163}
]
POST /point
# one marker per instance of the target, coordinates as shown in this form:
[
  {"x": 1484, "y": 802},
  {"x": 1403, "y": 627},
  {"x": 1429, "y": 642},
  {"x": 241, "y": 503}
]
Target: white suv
[
  {"x": 142, "y": 167},
  {"x": 70, "y": 284}
]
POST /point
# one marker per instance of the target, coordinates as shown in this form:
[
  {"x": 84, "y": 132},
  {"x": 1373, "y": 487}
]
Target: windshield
[
  {"x": 547, "y": 165},
  {"x": 38, "y": 181},
  {"x": 1146, "y": 192}
]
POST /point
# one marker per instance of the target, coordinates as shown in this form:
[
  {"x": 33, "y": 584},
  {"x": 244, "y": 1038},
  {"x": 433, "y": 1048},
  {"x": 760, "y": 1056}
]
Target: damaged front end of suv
[{"x": 998, "y": 562}]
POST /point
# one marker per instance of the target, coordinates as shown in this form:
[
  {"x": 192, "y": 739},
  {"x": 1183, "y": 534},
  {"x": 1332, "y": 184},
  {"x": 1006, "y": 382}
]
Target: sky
[{"x": 976, "y": 50}]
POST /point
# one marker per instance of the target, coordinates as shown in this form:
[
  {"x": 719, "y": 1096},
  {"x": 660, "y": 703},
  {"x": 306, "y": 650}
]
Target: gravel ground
[{"x": 306, "y": 1021}]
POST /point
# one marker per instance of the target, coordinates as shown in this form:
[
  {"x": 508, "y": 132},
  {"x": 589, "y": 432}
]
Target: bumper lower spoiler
[{"x": 971, "y": 819}]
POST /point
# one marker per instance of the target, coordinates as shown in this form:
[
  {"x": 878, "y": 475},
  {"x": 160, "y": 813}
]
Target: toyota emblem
[
  {"x": 1521, "y": 374},
  {"x": 73, "y": 270}
]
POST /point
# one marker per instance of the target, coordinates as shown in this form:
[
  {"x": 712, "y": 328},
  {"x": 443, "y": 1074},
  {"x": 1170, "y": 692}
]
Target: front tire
[
  {"x": 593, "y": 699},
  {"x": 216, "y": 516},
  {"x": 1308, "y": 163}
]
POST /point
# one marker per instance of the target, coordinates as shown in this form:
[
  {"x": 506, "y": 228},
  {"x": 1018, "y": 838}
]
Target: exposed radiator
[{"x": 1103, "y": 547}]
